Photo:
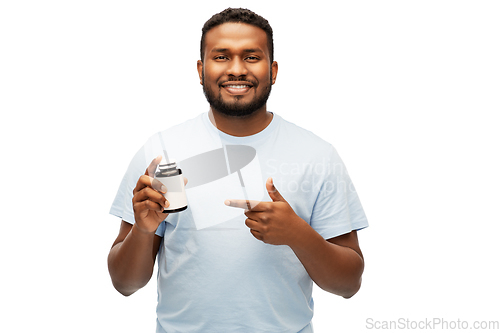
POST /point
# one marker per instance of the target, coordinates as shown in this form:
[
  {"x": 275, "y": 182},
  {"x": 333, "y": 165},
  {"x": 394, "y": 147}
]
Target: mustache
[{"x": 238, "y": 78}]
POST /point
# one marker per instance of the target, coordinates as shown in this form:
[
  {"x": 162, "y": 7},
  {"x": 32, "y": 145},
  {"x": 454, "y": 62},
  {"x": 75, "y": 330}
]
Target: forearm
[
  {"x": 131, "y": 261},
  {"x": 334, "y": 268}
]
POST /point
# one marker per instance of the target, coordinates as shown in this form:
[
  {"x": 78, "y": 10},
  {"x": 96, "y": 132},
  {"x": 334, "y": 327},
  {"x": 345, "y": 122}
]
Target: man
[{"x": 245, "y": 264}]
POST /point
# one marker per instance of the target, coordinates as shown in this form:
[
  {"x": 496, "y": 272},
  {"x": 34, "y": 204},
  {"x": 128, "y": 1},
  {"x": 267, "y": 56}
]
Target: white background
[{"x": 406, "y": 91}]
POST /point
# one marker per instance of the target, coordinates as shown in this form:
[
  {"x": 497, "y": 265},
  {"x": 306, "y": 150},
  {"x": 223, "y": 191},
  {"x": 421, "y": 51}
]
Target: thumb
[
  {"x": 150, "y": 171},
  {"x": 273, "y": 192}
]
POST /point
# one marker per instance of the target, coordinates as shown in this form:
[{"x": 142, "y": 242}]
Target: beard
[{"x": 235, "y": 108}]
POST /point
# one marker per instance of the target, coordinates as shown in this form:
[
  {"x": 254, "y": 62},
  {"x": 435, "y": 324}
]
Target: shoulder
[
  {"x": 182, "y": 129},
  {"x": 179, "y": 140},
  {"x": 303, "y": 139},
  {"x": 176, "y": 133}
]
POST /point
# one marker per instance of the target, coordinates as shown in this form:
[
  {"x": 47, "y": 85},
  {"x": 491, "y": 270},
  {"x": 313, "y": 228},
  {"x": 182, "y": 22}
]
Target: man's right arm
[{"x": 132, "y": 257}]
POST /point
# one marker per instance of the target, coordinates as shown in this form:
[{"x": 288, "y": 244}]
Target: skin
[
  {"x": 132, "y": 257},
  {"x": 238, "y": 51},
  {"x": 235, "y": 52}
]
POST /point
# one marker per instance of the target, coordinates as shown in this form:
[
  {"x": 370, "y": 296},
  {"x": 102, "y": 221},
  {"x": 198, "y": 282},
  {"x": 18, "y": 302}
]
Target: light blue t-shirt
[{"x": 213, "y": 275}]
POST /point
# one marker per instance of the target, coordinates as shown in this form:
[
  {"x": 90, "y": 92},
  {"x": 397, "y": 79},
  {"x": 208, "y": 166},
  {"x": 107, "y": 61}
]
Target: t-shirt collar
[{"x": 264, "y": 134}]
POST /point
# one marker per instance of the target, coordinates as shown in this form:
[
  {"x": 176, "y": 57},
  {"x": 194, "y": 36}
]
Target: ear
[
  {"x": 199, "y": 65},
  {"x": 274, "y": 71}
]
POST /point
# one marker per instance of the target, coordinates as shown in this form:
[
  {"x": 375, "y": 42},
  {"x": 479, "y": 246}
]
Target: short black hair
[{"x": 238, "y": 15}]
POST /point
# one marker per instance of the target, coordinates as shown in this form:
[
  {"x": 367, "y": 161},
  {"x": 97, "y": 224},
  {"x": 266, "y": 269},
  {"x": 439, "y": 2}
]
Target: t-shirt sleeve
[
  {"x": 122, "y": 204},
  {"x": 337, "y": 209}
]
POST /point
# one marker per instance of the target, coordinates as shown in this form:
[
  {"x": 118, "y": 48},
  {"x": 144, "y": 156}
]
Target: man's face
[{"x": 236, "y": 72}]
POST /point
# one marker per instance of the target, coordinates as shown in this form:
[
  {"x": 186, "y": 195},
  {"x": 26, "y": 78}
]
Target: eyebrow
[{"x": 245, "y": 50}]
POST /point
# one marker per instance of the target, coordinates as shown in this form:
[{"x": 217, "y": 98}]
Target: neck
[{"x": 241, "y": 126}]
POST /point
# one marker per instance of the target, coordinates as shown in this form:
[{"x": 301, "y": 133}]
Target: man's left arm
[{"x": 335, "y": 265}]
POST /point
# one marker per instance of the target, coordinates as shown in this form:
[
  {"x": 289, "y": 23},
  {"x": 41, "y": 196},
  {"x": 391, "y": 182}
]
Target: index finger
[
  {"x": 147, "y": 181},
  {"x": 245, "y": 204}
]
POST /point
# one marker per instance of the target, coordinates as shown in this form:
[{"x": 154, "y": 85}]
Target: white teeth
[{"x": 237, "y": 87}]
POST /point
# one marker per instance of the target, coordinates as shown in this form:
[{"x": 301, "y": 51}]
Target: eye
[
  {"x": 252, "y": 58},
  {"x": 220, "y": 57}
]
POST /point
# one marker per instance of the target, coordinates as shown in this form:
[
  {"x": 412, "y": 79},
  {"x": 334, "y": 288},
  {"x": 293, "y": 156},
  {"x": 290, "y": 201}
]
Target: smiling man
[
  {"x": 251, "y": 271},
  {"x": 237, "y": 71}
]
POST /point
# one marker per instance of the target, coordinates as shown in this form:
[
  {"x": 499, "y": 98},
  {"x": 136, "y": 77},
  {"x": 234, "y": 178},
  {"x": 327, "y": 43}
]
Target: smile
[
  {"x": 237, "y": 89},
  {"x": 237, "y": 86}
]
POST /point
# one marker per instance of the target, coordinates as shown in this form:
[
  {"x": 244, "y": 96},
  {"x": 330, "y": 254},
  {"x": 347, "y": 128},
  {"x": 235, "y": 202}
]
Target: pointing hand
[{"x": 273, "y": 222}]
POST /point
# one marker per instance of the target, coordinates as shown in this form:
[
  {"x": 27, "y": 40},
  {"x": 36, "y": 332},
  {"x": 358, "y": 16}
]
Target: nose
[{"x": 237, "y": 67}]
